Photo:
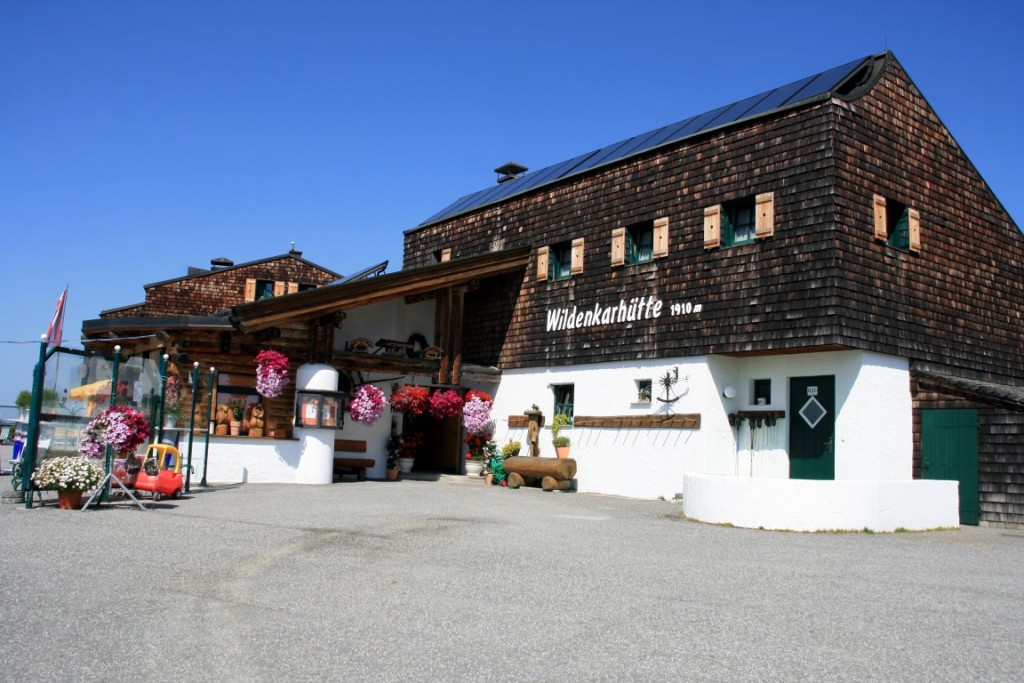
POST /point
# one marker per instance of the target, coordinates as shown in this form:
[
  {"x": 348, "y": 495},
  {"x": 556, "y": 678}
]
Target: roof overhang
[
  {"x": 258, "y": 315},
  {"x": 142, "y": 323},
  {"x": 991, "y": 393}
]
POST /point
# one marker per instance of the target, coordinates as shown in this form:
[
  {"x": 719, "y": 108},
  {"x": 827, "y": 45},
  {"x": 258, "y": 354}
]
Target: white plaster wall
[
  {"x": 234, "y": 460},
  {"x": 640, "y": 463},
  {"x": 389, "y": 320},
  {"x": 874, "y": 433},
  {"x": 874, "y": 437},
  {"x": 873, "y": 419},
  {"x": 804, "y": 505}
]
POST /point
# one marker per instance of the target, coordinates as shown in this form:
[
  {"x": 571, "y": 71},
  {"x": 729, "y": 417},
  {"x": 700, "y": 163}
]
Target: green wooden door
[
  {"x": 812, "y": 427},
  {"x": 949, "y": 450}
]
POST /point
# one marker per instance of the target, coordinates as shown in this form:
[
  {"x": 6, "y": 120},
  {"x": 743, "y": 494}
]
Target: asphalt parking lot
[{"x": 452, "y": 580}]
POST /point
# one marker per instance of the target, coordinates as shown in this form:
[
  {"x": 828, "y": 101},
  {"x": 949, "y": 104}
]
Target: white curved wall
[{"x": 803, "y": 505}]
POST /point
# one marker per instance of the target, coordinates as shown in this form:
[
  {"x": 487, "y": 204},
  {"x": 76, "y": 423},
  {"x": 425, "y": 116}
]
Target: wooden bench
[{"x": 356, "y": 466}]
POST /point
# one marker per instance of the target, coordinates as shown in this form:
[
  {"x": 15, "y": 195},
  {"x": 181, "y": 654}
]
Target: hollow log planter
[{"x": 555, "y": 474}]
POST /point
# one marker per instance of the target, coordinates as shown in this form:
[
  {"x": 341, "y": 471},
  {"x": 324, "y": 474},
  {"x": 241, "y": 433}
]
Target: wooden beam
[
  {"x": 457, "y": 316},
  {"x": 691, "y": 421},
  {"x": 446, "y": 336}
]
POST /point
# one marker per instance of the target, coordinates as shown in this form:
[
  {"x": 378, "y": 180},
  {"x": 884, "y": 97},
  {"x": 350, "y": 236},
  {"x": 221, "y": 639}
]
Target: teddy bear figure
[
  {"x": 256, "y": 420},
  {"x": 223, "y": 419}
]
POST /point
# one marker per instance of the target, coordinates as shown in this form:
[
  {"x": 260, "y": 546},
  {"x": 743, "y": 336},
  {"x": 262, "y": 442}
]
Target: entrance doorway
[
  {"x": 812, "y": 427},
  {"x": 949, "y": 450}
]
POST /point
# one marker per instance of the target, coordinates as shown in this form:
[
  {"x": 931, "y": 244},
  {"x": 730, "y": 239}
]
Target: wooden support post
[
  {"x": 457, "y": 315},
  {"x": 446, "y": 339}
]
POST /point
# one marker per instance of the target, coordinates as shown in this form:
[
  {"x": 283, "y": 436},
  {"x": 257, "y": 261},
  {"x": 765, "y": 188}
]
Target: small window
[
  {"x": 564, "y": 394},
  {"x": 762, "y": 392},
  {"x": 560, "y": 261},
  {"x": 442, "y": 255},
  {"x": 643, "y": 391},
  {"x": 303, "y": 287},
  {"x": 264, "y": 289},
  {"x": 898, "y": 224},
  {"x": 739, "y": 222},
  {"x": 640, "y": 243}
]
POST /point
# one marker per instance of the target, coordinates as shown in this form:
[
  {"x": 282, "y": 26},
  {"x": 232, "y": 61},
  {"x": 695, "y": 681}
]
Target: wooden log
[
  {"x": 515, "y": 480},
  {"x": 552, "y": 484},
  {"x": 558, "y": 468}
]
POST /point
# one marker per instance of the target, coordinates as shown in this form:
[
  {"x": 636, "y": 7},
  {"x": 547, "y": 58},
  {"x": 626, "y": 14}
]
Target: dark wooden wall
[
  {"x": 220, "y": 289},
  {"x": 958, "y": 301},
  {"x": 821, "y": 281},
  {"x": 776, "y": 293}
]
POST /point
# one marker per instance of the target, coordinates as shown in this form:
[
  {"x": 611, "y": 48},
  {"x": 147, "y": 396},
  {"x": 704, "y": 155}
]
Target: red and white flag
[{"x": 57, "y": 321}]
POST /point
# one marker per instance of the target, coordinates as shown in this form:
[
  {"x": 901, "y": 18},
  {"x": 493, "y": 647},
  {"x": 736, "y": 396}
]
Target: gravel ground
[{"x": 453, "y": 580}]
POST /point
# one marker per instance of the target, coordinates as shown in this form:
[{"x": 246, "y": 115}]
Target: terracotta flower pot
[
  {"x": 393, "y": 474},
  {"x": 562, "y": 451},
  {"x": 69, "y": 500}
]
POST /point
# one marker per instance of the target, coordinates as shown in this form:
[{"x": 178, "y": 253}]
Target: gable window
[
  {"x": 640, "y": 242},
  {"x": 264, "y": 289},
  {"x": 560, "y": 261},
  {"x": 442, "y": 255},
  {"x": 740, "y": 221},
  {"x": 305, "y": 287},
  {"x": 564, "y": 396},
  {"x": 897, "y": 224}
]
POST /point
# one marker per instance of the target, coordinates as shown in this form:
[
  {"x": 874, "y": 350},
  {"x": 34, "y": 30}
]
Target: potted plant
[
  {"x": 172, "y": 402},
  {"x": 560, "y": 442},
  {"x": 410, "y": 447},
  {"x": 394, "y": 450},
  {"x": 511, "y": 449},
  {"x": 23, "y": 401},
  {"x": 70, "y": 476},
  {"x": 238, "y": 407},
  {"x": 476, "y": 455}
]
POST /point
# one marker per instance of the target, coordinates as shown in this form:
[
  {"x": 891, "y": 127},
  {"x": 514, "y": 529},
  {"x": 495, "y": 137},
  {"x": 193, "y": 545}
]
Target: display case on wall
[{"x": 320, "y": 409}]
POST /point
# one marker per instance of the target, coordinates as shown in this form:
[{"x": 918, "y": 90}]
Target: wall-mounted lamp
[{"x": 729, "y": 392}]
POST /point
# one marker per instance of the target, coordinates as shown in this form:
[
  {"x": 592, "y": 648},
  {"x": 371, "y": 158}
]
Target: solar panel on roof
[{"x": 787, "y": 95}]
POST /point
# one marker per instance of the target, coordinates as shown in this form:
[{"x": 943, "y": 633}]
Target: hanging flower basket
[
  {"x": 121, "y": 427},
  {"x": 367, "y": 404},
  {"x": 410, "y": 399},
  {"x": 445, "y": 403},
  {"x": 271, "y": 373},
  {"x": 476, "y": 393},
  {"x": 476, "y": 416}
]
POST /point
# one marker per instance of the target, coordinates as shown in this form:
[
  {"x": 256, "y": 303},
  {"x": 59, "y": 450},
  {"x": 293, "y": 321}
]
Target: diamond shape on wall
[{"x": 812, "y": 412}]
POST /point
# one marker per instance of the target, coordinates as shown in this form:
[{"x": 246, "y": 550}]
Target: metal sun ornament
[{"x": 668, "y": 382}]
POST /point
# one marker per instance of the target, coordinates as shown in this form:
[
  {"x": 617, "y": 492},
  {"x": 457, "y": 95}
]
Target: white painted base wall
[
  {"x": 803, "y": 505},
  {"x": 239, "y": 460}
]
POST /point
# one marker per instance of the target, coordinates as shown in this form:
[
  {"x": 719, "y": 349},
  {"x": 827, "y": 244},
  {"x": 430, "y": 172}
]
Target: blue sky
[{"x": 139, "y": 138}]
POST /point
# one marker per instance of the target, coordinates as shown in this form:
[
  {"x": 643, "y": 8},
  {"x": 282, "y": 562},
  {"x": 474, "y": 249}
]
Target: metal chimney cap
[{"x": 510, "y": 171}]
